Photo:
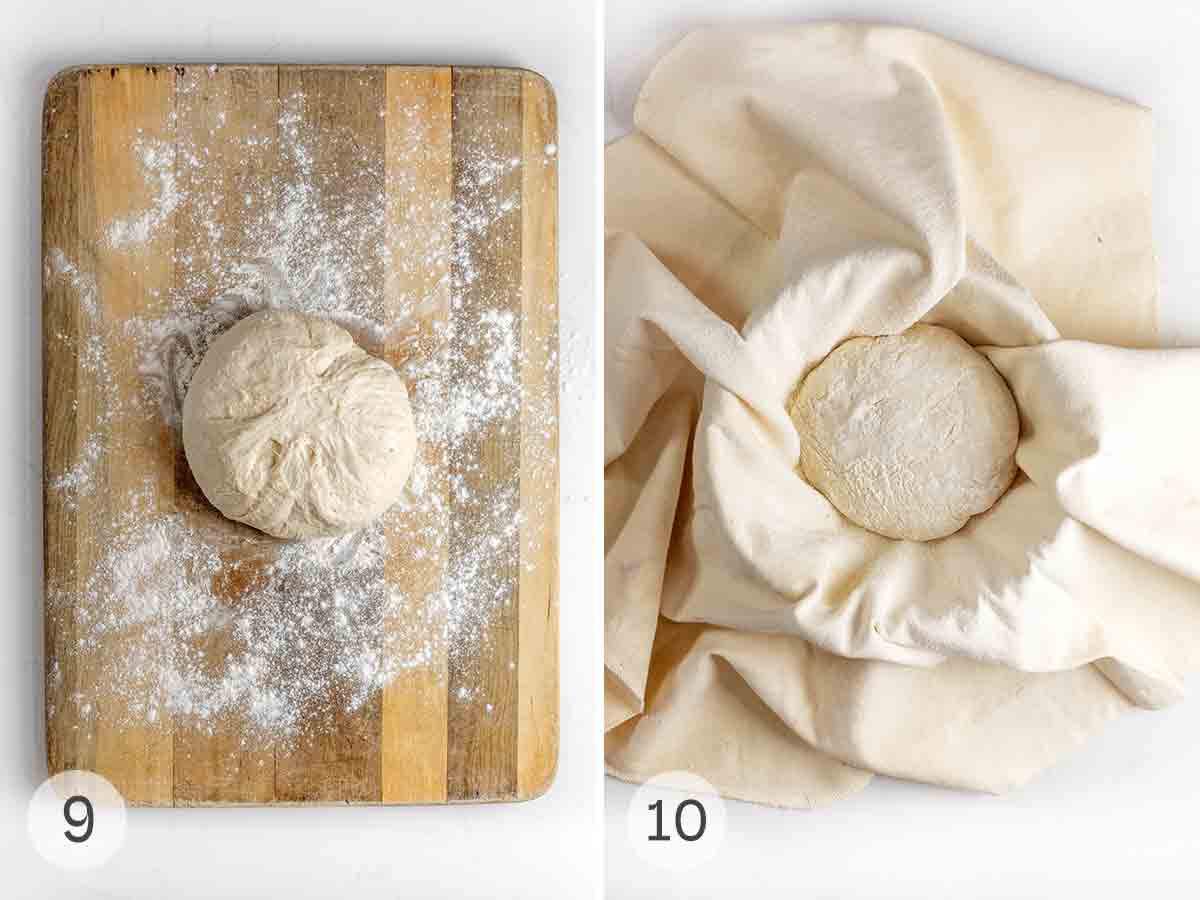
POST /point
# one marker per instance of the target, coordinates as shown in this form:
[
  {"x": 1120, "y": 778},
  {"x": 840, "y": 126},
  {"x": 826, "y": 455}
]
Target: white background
[
  {"x": 1119, "y": 816},
  {"x": 546, "y": 848}
]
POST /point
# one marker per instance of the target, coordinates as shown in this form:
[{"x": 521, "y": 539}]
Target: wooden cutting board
[{"x": 477, "y": 719}]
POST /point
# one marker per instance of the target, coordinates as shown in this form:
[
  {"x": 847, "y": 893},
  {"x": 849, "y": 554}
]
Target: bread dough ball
[
  {"x": 907, "y": 435},
  {"x": 291, "y": 427}
]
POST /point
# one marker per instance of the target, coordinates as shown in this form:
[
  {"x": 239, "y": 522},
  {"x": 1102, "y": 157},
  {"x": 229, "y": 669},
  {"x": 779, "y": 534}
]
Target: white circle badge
[
  {"x": 676, "y": 821},
  {"x": 77, "y": 820}
]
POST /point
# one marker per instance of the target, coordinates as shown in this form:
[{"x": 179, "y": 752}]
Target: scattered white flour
[
  {"x": 79, "y": 480},
  {"x": 158, "y": 161},
  {"x": 58, "y": 266},
  {"x": 194, "y": 621},
  {"x": 307, "y": 627}
]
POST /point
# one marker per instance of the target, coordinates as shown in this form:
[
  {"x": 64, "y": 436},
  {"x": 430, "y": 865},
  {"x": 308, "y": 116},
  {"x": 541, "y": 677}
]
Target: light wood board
[{"x": 416, "y": 741}]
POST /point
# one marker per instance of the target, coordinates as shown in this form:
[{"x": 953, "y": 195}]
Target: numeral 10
[{"x": 657, "y": 809}]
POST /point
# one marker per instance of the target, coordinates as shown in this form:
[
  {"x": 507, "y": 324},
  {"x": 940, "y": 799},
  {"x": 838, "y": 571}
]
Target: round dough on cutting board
[
  {"x": 291, "y": 427},
  {"x": 908, "y": 435}
]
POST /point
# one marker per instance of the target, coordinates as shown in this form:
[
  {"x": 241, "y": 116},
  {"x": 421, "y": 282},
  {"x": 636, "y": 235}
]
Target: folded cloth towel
[{"x": 789, "y": 188}]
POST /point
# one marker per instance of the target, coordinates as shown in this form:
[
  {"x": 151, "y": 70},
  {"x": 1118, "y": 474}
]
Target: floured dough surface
[
  {"x": 291, "y": 427},
  {"x": 907, "y": 435}
]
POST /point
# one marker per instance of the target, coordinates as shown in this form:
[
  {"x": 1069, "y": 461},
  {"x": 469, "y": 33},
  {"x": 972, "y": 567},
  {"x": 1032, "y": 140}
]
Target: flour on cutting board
[
  {"x": 194, "y": 621},
  {"x": 59, "y": 267},
  {"x": 158, "y": 160},
  {"x": 306, "y": 629}
]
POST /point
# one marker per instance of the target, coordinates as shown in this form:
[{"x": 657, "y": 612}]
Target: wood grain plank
[
  {"x": 537, "y": 671},
  {"x": 417, "y": 295},
  {"x": 227, "y": 125},
  {"x": 128, "y": 108},
  {"x": 487, "y": 133},
  {"x": 66, "y": 267},
  {"x": 336, "y": 114},
  {"x": 89, "y": 408}
]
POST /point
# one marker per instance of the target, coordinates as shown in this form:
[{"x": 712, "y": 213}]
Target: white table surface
[
  {"x": 544, "y": 848},
  {"x": 1119, "y": 816}
]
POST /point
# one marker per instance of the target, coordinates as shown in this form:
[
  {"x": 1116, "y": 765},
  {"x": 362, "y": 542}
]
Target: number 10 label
[{"x": 676, "y": 821}]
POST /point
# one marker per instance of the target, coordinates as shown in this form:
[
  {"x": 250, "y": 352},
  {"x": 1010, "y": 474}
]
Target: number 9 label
[{"x": 77, "y": 820}]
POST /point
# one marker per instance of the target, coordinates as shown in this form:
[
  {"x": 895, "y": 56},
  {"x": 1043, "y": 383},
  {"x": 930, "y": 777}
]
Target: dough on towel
[
  {"x": 908, "y": 435},
  {"x": 291, "y": 427}
]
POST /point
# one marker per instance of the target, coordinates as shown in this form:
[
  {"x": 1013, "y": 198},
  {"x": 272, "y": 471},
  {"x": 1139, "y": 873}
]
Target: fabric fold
[{"x": 1108, "y": 431}]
